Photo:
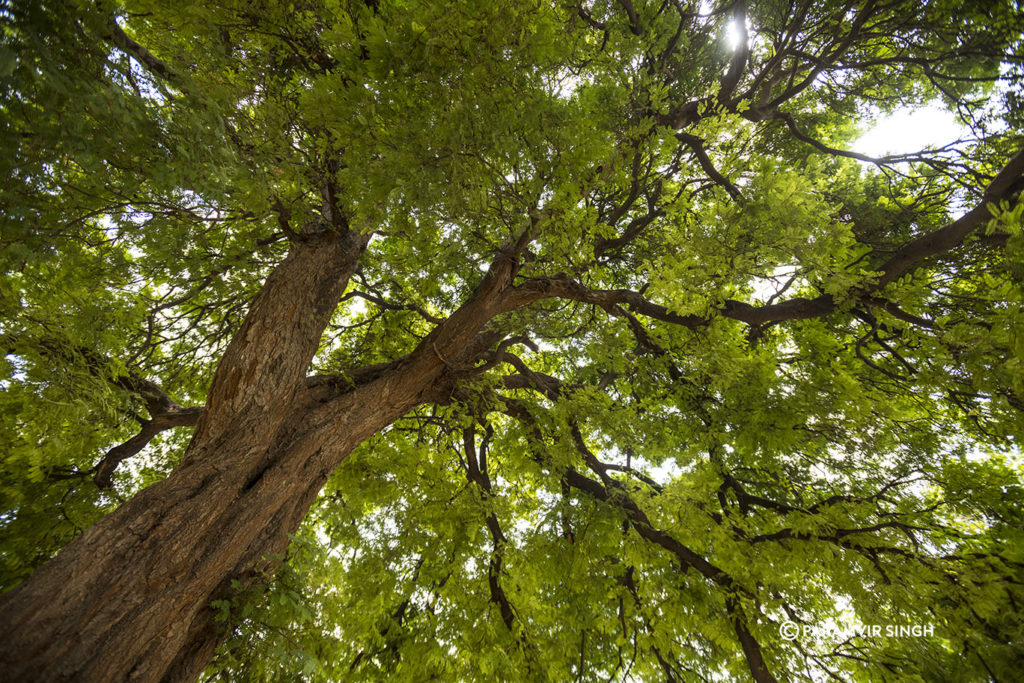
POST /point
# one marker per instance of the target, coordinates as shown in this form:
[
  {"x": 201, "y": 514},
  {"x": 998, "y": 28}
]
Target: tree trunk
[{"x": 129, "y": 599}]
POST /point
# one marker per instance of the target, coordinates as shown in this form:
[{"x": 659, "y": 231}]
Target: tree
[{"x": 495, "y": 340}]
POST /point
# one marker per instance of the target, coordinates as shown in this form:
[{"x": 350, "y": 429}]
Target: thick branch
[
  {"x": 444, "y": 355},
  {"x": 265, "y": 365},
  {"x": 751, "y": 648},
  {"x": 634, "y": 19},
  {"x": 696, "y": 144},
  {"x": 180, "y": 417},
  {"x": 1005, "y": 187},
  {"x": 152, "y": 394},
  {"x": 742, "y": 53},
  {"x": 120, "y": 39},
  {"x": 166, "y": 414},
  {"x": 613, "y": 493},
  {"x": 477, "y": 474}
]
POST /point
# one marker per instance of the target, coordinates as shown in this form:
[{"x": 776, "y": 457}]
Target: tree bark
[{"x": 129, "y": 599}]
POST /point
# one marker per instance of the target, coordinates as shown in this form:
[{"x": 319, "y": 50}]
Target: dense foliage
[{"x": 766, "y": 379}]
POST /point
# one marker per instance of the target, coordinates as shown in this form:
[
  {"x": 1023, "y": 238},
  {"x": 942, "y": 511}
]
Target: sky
[
  {"x": 909, "y": 130},
  {"x": 903, "y": 131}
]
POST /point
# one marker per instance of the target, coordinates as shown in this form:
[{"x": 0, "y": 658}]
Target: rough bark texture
[{"x": 129, "y": 599}]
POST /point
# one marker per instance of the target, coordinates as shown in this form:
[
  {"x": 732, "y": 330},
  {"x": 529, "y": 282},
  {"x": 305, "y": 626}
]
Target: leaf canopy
[{"x": 735, "y": 406}]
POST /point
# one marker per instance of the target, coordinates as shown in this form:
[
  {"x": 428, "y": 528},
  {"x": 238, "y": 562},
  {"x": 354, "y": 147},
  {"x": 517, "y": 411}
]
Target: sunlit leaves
[{"x": 860, "y": 464}]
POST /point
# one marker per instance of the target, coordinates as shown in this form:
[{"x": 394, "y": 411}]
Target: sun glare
[{"x": 910, "y": 130}]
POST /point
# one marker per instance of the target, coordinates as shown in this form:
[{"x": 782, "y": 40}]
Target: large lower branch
[
  {"x": 1006, "y": 186},
  {"x": 167, "y": 414}
]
